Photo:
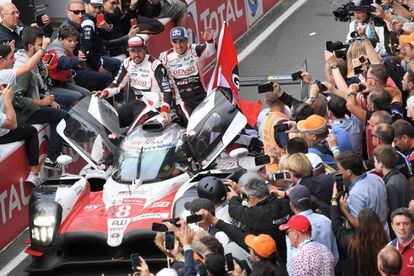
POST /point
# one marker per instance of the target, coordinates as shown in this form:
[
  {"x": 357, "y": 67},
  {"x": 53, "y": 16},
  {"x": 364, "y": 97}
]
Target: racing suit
[
  {"x": 150, "y": 83},
  {"x": 187, "y": 72}
]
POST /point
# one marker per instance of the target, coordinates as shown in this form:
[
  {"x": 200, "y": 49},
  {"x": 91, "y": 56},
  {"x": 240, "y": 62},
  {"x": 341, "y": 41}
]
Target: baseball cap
[
  {"x": 262, "y": 244},
  {"x": 297, "y": 222},
  {"x": 314, "y": 124},
  {"x": 95, "y": 3},
  {"x": 300, "y": 196},
  {"x": 198, "y": 204},
  {"x": 178, "y": 33},
  {"x": 407, "y": 39},
  {"x": 136, "y": 42}
]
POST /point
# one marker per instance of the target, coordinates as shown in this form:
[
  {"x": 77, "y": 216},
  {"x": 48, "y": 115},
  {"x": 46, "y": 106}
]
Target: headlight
[{"x": 45, "y": 216}]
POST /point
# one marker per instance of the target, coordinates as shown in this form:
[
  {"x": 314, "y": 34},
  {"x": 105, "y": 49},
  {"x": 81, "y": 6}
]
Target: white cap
[
  {"x": 314, "y": 159},
  {"x": 167, "y": 272}
]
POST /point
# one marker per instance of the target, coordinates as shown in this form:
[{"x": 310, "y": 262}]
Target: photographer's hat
[{"x": 178, "y": 33}]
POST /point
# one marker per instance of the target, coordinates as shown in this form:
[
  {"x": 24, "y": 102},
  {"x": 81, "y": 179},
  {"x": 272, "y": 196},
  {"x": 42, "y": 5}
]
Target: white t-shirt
[{"x": 7, "y": 76}]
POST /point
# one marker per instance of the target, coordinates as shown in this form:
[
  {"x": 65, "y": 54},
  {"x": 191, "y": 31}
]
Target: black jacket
[
  {"x": 398, "y": 190},
  {"x": 345, "y": 265},
  {"x": 264, "y": 218},
  {"x": 7, "y": 35},
  {"x": 319, "y": 186}
]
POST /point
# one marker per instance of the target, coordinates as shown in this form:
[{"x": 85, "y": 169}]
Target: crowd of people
[{"x": 336, "y": 197}]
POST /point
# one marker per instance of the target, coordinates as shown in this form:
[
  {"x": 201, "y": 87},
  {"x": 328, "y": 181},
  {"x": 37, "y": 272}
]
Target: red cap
[
  {"x": 136, "y": 41},
  {"x": 297, "y": 222}
]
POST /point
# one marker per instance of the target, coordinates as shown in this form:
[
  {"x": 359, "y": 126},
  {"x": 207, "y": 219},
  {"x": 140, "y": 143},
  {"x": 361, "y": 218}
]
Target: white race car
[{"x": 106, "y": 213}]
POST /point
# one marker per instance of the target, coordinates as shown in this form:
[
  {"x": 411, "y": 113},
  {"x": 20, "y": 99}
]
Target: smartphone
[
  {"x": 358, "y": 70},
  {"x": 159, "y": 227},
  {"x": 39, "y": 20},
  {"x": 362, "y": 59},
  {"x": 135, "y": 262},
  {"x": 169, "y": 240},
  {"x": 264, "y": 88},
  {"x": 322, "y": 87},
  {"x": 134, "y": 22},
  {"x": 329, "y": 47},
  {"x": 229, "y": 262},
  {"x": 99, "y": 19},
  {"x": 297, "y": 76},
  {"x": 194, "y": 218},
  {"x": 262, "y": 160},
  {"x": 339, "y": 182},
  {"x": 173, "y": 221},
  {"x": 280, "y": 176}
]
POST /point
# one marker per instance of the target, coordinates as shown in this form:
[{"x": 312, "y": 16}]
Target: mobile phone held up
[
  {"x": 134, "y": 22},
  {"x": 229, "y": 262},
  {"x": 264, "y": 88},
  {"x": 159, "y": 227},
  {"x": 296, "y": 76},
  {"x": 339, "y": 182},
  {"x": 194, "y": 218},
  {"x": 136, "y": 262},
  {"x": 99, "y": 19},
  {"x": 261, "y": 160},
  {"x": 169, "y": 240},
  {"x": 280, "y": 176}
]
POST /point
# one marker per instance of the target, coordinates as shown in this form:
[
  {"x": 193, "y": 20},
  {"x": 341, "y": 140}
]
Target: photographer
[{"x": 363, "y": 15}]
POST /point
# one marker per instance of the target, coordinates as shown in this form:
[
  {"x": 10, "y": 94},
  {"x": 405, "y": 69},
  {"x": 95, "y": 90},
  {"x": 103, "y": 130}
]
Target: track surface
[{"x": 302, "y": 35}]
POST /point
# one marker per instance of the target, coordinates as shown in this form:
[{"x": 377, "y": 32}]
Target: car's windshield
[{"x": 150, "y": 159}]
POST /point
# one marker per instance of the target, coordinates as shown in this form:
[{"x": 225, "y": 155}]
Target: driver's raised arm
[{"x": 161, "y": 75}]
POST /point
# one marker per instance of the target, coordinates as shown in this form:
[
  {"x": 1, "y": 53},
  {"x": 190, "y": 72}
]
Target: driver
[
  {"x": 185, "y": 63},
  {"x": 148, "y": 79}
]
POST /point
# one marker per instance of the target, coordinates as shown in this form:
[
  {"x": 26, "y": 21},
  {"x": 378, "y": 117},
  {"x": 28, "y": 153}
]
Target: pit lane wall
[{"x": 240, "y": 16}]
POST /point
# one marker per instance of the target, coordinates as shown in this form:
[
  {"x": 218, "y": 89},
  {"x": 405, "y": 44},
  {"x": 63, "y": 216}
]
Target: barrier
[{"x": 240, "y": 15}]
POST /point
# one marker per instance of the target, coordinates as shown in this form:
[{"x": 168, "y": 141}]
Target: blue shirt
[
  {"x": 354, "y": 127},
  {"x": 321, "y": 232},
  {"x": 368, "y": 191},
  {"x": 342, "y": 139},
  {"x": 326, "y": 158}
]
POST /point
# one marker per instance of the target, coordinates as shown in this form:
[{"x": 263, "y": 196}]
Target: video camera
[{"x": 344, "y": 12}]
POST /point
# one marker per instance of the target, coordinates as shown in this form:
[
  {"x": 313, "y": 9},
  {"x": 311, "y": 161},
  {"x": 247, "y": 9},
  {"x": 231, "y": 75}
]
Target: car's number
[{"x": 123, "y": 211}]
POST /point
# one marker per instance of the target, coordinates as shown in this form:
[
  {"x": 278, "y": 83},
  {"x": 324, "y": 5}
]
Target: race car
[{"x": 106, "y": 213}]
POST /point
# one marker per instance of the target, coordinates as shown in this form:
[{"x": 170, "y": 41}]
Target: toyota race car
[{"x": 106, "y": 213}]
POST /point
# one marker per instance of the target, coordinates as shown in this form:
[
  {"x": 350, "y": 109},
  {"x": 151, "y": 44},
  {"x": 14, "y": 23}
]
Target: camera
[
  {"x": 343, "y": 13},
  {"x": 338, "y": 47}
]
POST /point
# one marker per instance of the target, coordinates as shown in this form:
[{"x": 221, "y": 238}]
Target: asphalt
[{"x": 301, "y": 36}]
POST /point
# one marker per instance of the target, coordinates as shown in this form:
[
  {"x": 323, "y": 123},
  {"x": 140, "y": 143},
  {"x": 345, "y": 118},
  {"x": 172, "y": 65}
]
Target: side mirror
[{"x": 63, "y": 161}]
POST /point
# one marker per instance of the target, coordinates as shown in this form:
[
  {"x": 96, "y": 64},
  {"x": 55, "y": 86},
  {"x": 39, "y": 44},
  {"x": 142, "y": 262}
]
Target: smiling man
[
  {"x": 185, "y": 63},
  {"x": 149, "y": 81}
]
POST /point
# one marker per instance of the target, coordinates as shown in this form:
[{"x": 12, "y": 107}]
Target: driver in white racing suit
[
  {"x": 149, "y": 80},
  {"x": 185, "y": 64}
]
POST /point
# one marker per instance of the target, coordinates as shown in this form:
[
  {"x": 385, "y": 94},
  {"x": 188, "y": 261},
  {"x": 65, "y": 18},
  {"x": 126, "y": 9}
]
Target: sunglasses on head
[{"x": 77, "y": 12}]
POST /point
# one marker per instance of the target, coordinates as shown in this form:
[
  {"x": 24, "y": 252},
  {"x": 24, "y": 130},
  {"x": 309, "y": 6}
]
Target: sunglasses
[
  {"x": 77, "y": 12},
  {"x": 114, "y": 3}
]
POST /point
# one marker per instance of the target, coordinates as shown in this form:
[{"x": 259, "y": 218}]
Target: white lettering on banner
[
  {"x": 15, "y": 201},
  {"x": 91, "y": 207},
  {"x": 212, "y": 19}
]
